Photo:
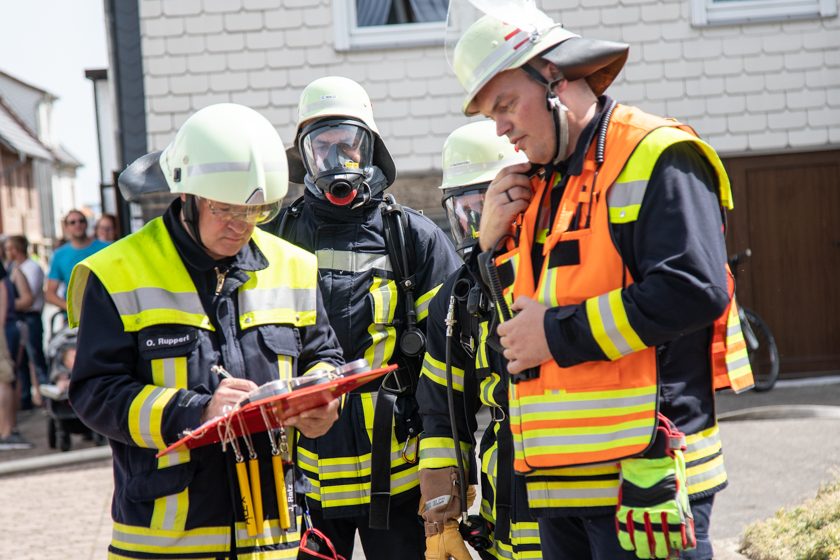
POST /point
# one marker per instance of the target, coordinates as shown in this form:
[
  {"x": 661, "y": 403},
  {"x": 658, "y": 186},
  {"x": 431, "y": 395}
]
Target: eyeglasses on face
[
  {"x": 250, "y": 214},
  {"x": 75, "y": 222}
]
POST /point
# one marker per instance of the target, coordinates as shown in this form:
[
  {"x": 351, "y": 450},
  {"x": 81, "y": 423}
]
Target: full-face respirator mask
[{"x": 337, "y": 154}]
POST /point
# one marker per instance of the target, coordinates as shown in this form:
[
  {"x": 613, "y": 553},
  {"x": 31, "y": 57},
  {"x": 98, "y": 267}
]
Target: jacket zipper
[{"x": 220, "y": 280}]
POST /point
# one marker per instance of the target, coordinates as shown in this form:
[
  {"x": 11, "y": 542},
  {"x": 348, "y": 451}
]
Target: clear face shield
[
  {"x": 337, "y": 154},
  {"x": 463, "y": 209}
]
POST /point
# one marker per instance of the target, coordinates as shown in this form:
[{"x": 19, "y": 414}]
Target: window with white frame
[
  {"x": 369, "y": 24},
  {"x": 725, "y": 12}
]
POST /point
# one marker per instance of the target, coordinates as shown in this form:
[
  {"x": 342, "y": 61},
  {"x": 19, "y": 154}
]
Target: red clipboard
[{"x": 260, "y": 414}]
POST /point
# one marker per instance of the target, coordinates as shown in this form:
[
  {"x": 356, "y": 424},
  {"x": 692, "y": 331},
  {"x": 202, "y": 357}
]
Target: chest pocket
[
  {"x": 282, "y": 343},
  {"x": 167, "y": 351}
]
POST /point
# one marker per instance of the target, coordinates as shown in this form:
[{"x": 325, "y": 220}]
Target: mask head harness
[{"x": 338, "y": 154}]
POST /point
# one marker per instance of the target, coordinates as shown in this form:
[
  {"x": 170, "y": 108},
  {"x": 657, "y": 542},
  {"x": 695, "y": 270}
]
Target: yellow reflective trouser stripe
[
  {"x": 145, "y": 416},
  {"x": 435, "y": 371},
  {"x": 439, "y": 452},
  {"x": 611, "y": 327},
  {"x": 383, "y": 335},
  {"x": 421, "y": 306},
  {"x": 702, "y": 444},
  {"x": 270, "y": 534}
]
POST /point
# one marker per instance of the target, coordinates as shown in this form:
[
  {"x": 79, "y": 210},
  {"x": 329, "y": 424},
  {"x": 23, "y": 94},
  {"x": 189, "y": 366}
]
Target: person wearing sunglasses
[
  {"x": 380, "y": 264},
  {"x": 79, "y": 246},
  {"x": 196, "y": 288}
]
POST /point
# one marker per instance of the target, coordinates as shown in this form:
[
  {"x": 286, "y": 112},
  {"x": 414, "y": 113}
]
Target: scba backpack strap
[
  {"x": 402, "y": 382},
  {"x": 413, "y": 341}
]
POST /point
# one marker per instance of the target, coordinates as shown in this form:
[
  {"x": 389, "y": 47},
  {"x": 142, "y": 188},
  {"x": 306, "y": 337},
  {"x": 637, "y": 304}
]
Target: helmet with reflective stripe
[
  {"x": 490, "y": 46},
  {"x": 472, "y": 157},
  {"x": 474, "y": 154},
  {"x": 226, "y": 152},
  {"x": 337, "y": 97}
]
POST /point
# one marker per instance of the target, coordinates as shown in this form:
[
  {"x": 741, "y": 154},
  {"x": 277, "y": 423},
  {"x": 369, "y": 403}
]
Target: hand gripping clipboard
[{"x": 268, "y": 405}]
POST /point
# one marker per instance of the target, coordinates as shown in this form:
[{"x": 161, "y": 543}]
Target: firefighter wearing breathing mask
[
  {"x": 623, "y": 321},
  {"x": 472, "y": 156},
  {"x": 196, "y": 288},
  {"x": 380, "y": 264}
]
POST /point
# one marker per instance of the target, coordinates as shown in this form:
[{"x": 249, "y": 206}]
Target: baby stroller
[{"x": 61, "y": 419}]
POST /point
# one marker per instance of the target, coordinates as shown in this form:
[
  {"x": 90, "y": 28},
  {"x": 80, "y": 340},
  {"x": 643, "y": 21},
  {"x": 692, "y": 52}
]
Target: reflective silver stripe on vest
[
  {"x": 231, "y": 167},
  {"x": 587, "y": 439},
  {"x": 180, "y": 542},
  {"x": 171, "y": 511},
  {"x": 631, "y": 193},
  {"x": 141, "y": 299},
  {"x": 556, "y": 407},
  {"x": 348, "y": 261},
  {"x": 297, "y": 299}
]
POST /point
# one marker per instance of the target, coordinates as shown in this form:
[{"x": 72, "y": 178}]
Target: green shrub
[{"x": 810, "y": 531}]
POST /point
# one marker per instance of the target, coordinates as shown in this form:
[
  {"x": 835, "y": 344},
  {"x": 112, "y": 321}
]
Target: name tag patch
[{"x": 158, "y": 343}]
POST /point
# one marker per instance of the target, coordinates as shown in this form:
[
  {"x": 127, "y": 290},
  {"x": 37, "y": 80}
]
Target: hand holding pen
[{"x": 230, "y": 391}]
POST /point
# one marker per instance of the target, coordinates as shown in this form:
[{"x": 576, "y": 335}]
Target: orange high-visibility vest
[{"x": 596, "y": 411}]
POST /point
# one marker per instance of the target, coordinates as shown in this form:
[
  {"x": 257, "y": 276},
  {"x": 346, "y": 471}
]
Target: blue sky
[{"x": 50, "y": 44}]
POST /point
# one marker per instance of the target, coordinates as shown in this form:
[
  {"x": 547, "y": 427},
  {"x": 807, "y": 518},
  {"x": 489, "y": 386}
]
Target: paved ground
[{"x": 65, "y": 513}]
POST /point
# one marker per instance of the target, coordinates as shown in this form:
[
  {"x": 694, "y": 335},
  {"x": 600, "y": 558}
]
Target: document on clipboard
[{"x": 269, "y": 405}]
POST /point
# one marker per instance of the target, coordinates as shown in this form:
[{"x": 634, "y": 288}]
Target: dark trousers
[
  {"x": 35, "y": 344},
  {"x": 581, "y": 538},
  {"x": 405, "y": 538}
]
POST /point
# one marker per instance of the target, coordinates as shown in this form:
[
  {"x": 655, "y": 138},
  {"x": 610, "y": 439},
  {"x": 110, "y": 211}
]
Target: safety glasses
[{"x": 252, "y": 213}]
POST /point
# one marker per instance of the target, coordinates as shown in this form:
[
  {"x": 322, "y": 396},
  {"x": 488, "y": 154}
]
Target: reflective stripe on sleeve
[
  {"x": 610, "y": 326},
  {"x": 145, "y": 416}
]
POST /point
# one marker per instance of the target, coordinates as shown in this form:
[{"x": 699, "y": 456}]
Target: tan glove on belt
[{"x": 440, "y": 506}]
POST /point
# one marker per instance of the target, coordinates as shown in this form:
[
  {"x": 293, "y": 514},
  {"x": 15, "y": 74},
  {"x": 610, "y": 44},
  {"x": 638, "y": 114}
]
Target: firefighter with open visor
[{"x": 196, "y": 288}]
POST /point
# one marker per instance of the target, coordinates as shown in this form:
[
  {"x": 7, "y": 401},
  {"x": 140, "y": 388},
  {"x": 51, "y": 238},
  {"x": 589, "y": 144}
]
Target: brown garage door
[{"x": 787, "y": 211}]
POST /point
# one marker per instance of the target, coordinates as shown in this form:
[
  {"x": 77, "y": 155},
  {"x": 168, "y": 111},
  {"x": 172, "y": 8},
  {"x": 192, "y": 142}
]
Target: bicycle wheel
[{"x": 763, "y": 352}]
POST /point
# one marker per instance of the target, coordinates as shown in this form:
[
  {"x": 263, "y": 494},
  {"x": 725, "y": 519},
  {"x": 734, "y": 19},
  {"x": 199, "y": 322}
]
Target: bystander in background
[
  {"x": 78, "y": 247},
  {"x": 105, "y": 228},
  {"x": 17, "y": 252}
]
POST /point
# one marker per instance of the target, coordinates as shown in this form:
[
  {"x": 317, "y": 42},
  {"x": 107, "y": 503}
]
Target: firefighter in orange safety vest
[{"x": 617, "y": 310}]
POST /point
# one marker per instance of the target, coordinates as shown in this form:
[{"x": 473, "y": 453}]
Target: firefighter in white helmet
[
  {"x": 195, "y": 288},
  {"x": 472, "y": 156},
  {"x": 380, "y": 264},
  {"x": 622, "y": 322}
]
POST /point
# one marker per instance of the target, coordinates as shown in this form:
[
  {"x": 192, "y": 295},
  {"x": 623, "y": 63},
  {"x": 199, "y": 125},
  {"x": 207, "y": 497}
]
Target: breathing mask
[{"x": 337, "y": 154}]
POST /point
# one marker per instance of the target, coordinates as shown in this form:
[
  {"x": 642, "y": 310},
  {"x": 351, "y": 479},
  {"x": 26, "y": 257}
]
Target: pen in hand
[{"x": 221, "y": 371}]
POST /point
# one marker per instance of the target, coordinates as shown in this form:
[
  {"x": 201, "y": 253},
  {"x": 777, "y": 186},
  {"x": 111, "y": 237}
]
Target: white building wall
[{"x": 748, "y": 89}]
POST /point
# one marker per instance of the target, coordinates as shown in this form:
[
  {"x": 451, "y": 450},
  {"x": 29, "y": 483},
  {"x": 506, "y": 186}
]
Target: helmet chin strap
[
  {"x": 189, "y": 214},
  {"x": 558, "y": 112}
]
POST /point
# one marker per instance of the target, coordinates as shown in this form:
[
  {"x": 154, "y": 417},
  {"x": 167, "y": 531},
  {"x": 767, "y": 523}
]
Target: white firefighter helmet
[
  {"x": 491, "y": 45},
  {"x": 337, "y": 97},
  {"x": 474, "y": 154},
  {"x": 227, "y": 153},
  {"x": 472, "y": 157}
]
